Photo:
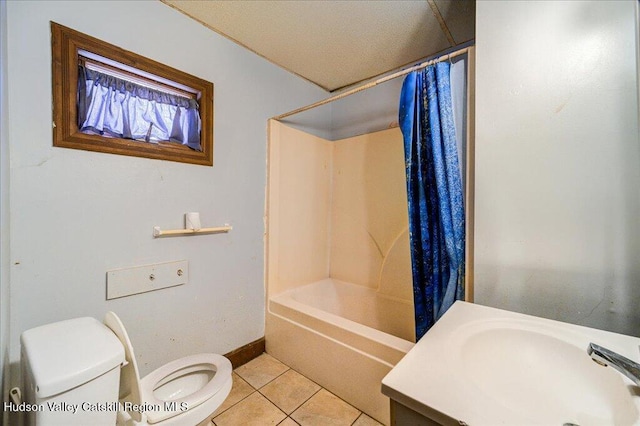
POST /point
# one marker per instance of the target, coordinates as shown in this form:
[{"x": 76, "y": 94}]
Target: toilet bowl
[{"x": 181, "y": 392}]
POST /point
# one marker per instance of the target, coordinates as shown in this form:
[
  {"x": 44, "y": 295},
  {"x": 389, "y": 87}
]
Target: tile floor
[{"x": 267, "y": 392}]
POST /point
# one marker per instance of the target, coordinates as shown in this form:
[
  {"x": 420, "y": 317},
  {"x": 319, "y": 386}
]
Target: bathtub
[{"x": 343, "y": 336}]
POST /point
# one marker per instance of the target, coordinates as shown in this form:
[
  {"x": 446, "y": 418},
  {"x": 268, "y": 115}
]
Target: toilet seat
[
  {"x": 180, "y": 368},
  {"x": 201, "y": 400}
]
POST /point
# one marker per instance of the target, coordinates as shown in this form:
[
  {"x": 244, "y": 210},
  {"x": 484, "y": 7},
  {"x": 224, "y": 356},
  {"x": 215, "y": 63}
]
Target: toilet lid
[{"x": 129, "y": 375}]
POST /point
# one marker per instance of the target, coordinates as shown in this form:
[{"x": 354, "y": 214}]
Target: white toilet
[
  {"x": 182, "y": 392},
  {"x": 81, "y": 363}
]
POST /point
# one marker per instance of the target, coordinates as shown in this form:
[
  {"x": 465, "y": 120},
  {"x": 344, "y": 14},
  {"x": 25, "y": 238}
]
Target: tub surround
[
  {"x": 337, "y": 209},
  {"x": 369, "y": 242},
  {"x": 298, "y": 208},
  {"x": 339, "y": 288}
]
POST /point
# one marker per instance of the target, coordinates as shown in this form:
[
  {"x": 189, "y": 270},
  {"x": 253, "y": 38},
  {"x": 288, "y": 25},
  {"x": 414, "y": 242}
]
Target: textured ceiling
[{"x": 336, "y": 43}]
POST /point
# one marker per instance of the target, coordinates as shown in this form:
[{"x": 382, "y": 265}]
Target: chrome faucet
[{"x": 624, "y": 365}]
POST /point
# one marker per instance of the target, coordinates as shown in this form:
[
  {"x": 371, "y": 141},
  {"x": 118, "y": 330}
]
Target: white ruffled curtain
[{"x": 114, "y": 107}]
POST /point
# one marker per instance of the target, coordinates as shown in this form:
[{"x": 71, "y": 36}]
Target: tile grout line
[
  {"x": 354, "y": 422},
  {"x": 288, "y": 368},
  {"x": 295, "y": 409},
  {"x": 301, "y": 404},
  {"x": 317, "y": 384},
  {"x": 254, "y": 390},
  {"x": 240, "y": 400},
  {"x": 287, "y": 415},
  {"x": 258, "y": 389},
  {"x": 233, "y": 405},
  {"x": 321, "y": 387}
]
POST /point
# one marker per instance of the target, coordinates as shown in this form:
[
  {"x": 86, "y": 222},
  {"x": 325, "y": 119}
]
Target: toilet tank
[{"x": 71, "y": 373}]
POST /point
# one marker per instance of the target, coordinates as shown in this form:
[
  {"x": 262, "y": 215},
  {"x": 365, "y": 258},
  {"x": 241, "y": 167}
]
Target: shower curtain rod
[{"x": 374, "y": 83}]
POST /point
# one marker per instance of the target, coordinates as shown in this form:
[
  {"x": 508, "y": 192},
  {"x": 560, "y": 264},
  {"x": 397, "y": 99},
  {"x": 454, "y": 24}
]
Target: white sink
[{"x": 486, "y": 366}]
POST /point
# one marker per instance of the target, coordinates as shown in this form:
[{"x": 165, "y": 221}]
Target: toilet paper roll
[{"x": 192, "y": 221}]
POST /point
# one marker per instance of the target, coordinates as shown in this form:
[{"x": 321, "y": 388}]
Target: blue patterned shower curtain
[{"x": 435, "y": 195}]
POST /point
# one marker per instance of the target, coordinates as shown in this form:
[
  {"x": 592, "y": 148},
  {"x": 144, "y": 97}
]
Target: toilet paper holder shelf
[{"x": 157, "y": 232}]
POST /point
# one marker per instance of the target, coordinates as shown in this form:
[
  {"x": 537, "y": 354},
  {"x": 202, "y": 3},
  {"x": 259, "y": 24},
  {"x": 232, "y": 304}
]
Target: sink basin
[
  {"x": 481, "y": 365},
  {"x": 510, "y": 360}
]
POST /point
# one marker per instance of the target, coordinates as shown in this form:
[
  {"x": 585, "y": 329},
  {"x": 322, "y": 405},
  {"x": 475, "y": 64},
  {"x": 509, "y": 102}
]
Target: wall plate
[{"x": 141, "y": 279}]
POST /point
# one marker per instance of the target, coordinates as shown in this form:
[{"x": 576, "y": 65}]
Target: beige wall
[
  {"x": 369, "y": 239},
  {"x": 299, "y": 202},
  {"x": 338, "y": 209}
]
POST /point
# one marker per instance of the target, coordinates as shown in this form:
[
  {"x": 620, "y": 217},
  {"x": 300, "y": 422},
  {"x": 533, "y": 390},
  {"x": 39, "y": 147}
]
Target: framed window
[{"x": 107, "y": 99}]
